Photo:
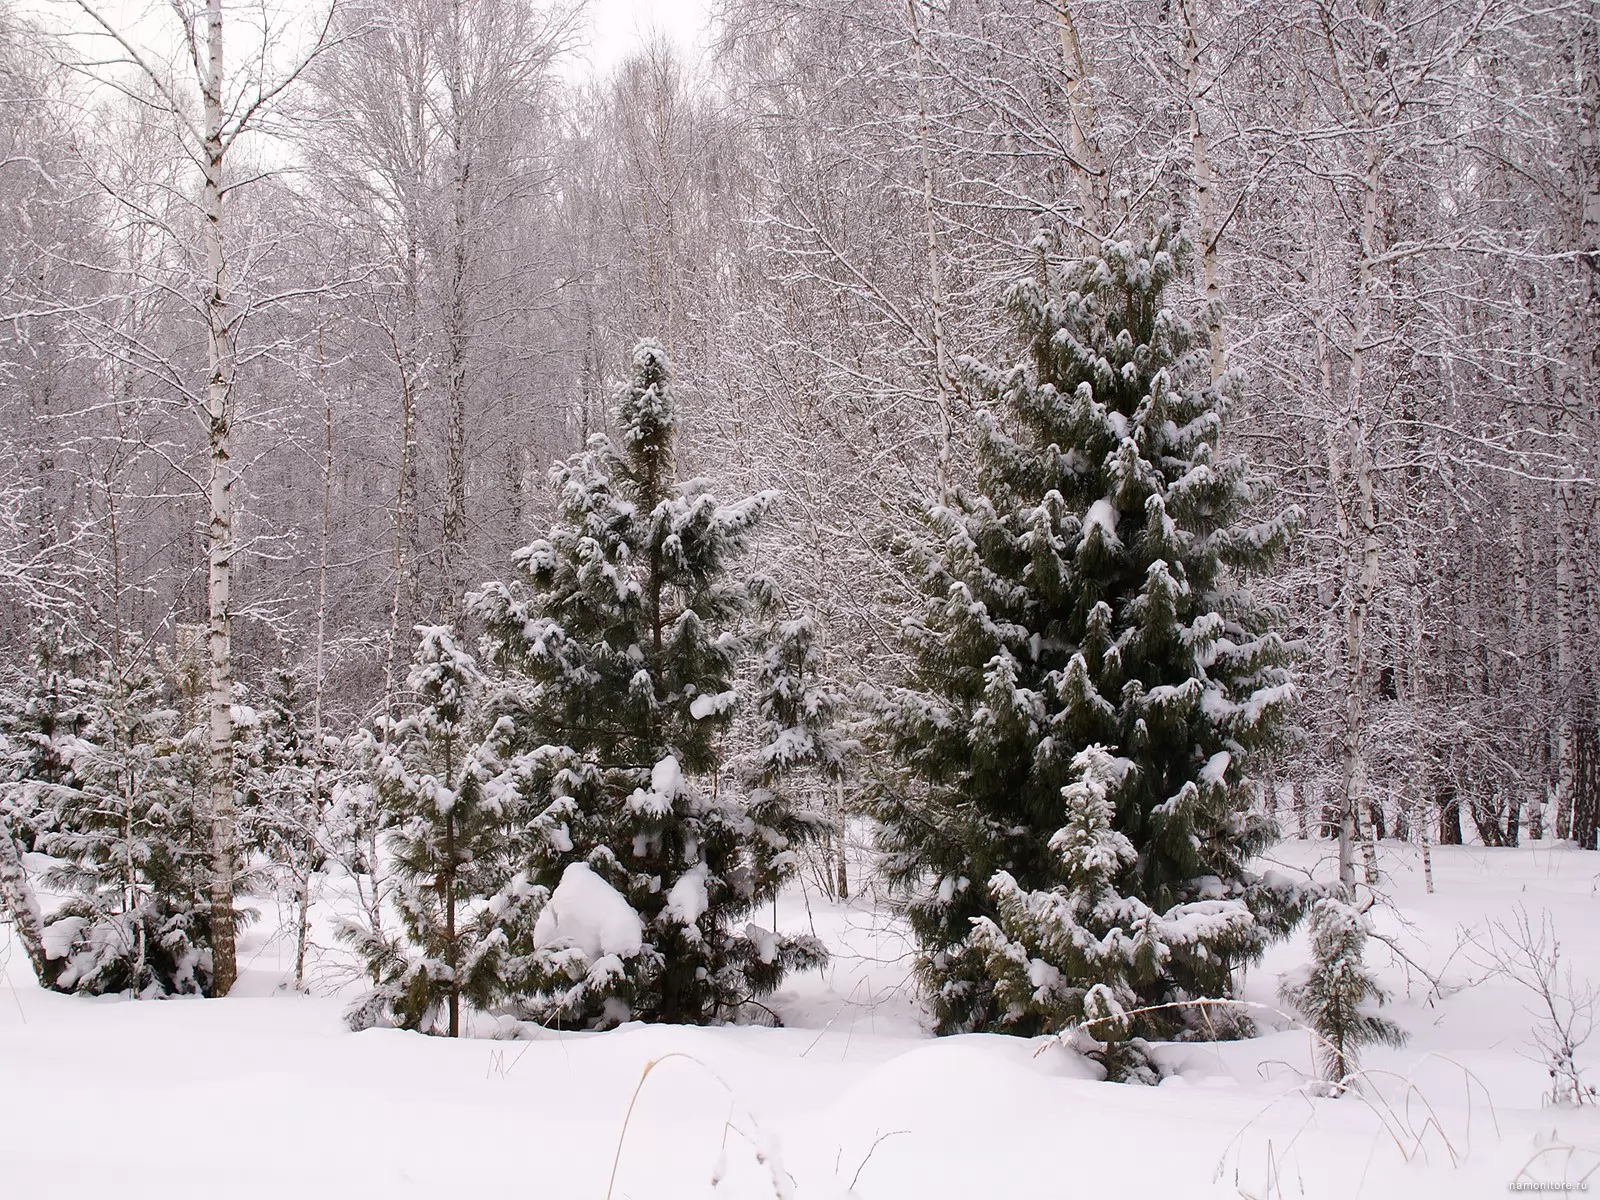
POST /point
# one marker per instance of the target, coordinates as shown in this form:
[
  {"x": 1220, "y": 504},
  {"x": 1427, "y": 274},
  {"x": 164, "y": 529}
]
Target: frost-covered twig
[
  {"x": 1438, "y": 989},
  {"x": 1564, "y": 1006}
]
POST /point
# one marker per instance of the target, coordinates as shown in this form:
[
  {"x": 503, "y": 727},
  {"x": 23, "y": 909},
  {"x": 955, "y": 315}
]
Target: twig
[{"x": 882, "y": 1137}]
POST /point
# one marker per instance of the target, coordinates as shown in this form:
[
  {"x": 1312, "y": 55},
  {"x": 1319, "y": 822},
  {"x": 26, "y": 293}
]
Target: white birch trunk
[
  {"x": 1205, "y": 193},
  {"x": 945, "y": 375},
  {"x": 1365, "y": 517},
  {"x": 1089, "y": 166},
  {"x": 453, "y": 532},
  {"x": 219, "y": 591}
]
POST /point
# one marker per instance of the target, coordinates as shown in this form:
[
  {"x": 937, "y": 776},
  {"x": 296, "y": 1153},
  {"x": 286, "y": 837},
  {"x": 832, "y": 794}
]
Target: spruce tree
[
  {"x": 800, "y": 750},
  {"x": 446, "y": 839},
  {"x": 797, "y": 714},
  {"x": 620, "y": 645},
  {"x": 1336, "y": 993},
  {"x": 1088, "y": 591},
  {"x": 288, "y": 780},
  {"x": 43, "y": 714},
  {"x": 42, "y": 727},
  {"x": 122, "y": 826}
]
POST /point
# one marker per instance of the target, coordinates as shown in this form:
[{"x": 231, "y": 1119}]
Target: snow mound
[
  {"x": 586, "y": 913},
  {"x": 666, "y": 778},
  {"x": 687, "y": 900},
  {"x": 666, "y": 785},
  {"x": 711, "y": 704}
]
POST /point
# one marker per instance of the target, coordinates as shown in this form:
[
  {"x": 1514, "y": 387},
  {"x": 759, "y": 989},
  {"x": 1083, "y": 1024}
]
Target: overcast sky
[
  {"x": 616, "y": 26},
  {"x": 619, "y": 26}
]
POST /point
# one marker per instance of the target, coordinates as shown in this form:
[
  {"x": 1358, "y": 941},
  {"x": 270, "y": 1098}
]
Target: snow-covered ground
[{"x": 266, "y": 1094}]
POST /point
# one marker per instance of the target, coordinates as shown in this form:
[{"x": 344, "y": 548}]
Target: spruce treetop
[{"x": 649, "y": 426}]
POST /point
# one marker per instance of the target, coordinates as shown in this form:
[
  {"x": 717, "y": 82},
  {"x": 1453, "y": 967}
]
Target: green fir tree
[
  {"x": 1336, "y": 994},
  {"x": 620, "y": 645},
  {"x": 447, "y": 841},
  {"x": 798, "y": 762},
  {"x": 1090, "y": 590},
  {"x": 117, "y": 802}
]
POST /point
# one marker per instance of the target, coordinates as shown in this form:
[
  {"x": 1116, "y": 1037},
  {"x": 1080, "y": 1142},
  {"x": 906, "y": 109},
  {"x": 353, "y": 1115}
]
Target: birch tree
[{"x": 230, "y": 108}]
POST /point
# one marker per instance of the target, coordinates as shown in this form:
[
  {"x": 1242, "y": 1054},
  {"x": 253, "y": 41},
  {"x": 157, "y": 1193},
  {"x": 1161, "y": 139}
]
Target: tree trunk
[
  {"x": 19, "y": 905},
  {"x": 404, "y": 529},
  {"x": 219, "y": 592},
  {"x": 843, "y": 877},
  {"x": 1530, "y": 778},
  {"x": 1566, "y": 652},
  {"x": 453, "y": 534},
  {"x": 308, "y": 868},
  {"x": 1088, "y": 164},
  {"x": 448, "y": 886},
  {"x": 945, "y": 376},
  {"x": 1586, "y": 781},
  {"x": 1579, "y": 376},
  {"x": 1361, "y": 527},
  {"x": 1427, "y": 853},
  {"x": 1205, "y": 192},
  {"x": 1449, "y": 801}
]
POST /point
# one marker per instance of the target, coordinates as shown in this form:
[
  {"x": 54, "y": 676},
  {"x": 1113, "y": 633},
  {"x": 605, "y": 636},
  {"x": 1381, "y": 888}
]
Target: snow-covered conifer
[
  {"x": 620, "y": 644},
  {"x": 41, "y": 726},
  {"x": 798, "y": 762},
  {"x": 289, "y": 781},
  {"x": 1089, "y": 590},
  {"x": 1336, "y": 994},
  {"x": 1082, "y": 954},
  {"x": 121, "y": 820},
  {"x": 797, "y": 713},
  {"x": 446, "y": 839}
]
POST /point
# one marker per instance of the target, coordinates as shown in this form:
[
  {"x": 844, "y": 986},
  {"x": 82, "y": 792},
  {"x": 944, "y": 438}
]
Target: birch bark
[{"x": 219, "y": 586}]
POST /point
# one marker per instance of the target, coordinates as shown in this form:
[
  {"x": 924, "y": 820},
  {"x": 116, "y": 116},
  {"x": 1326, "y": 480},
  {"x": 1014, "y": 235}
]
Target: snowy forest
[{"x": 1075, "y": 519}]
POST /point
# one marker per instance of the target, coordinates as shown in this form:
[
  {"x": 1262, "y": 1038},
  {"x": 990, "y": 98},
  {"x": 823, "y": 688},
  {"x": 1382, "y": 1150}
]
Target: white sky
[
  {"x": 617, "y": 27},
  {"x": 621, "y": 26}
]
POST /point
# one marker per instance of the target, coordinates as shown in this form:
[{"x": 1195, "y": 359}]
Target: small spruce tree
[
  {"x": 289, "y": 780},
  {"x": 1336, "y": 993},
  {"x": 619, "y": 646},
  {"x": 44, "y": 712},
  {"x": 800, "y": 750},
  {"x": 446, "y": 839},
  {"x": 120, "y": 819},
  {"x": 1089, "y": 590},
  {"x": 41, "y": 729}
]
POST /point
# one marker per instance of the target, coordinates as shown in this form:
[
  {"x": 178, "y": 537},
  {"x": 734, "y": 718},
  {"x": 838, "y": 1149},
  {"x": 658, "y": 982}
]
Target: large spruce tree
[
  {"x": 1088, "y": 592},
  {"x": 620, "y": 644}
]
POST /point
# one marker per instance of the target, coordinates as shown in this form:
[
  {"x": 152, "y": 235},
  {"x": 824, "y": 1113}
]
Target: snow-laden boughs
[
  {"x": 276, "y": 763},
  {"x": 797, "y": 713},
  {"x": 1081, "y": 954},
  {"x": 1337, "y": 994},
  {"x": 289, "y": 778},
  {"x": 105, "y": 785},
  {"x": 41, "y": 727},
  {"x": 800, "y": 752},
  {"x": 620, "y": 646},
  {"x": 447, "y": 840},
  {"x": 1089, "y": 590}
]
